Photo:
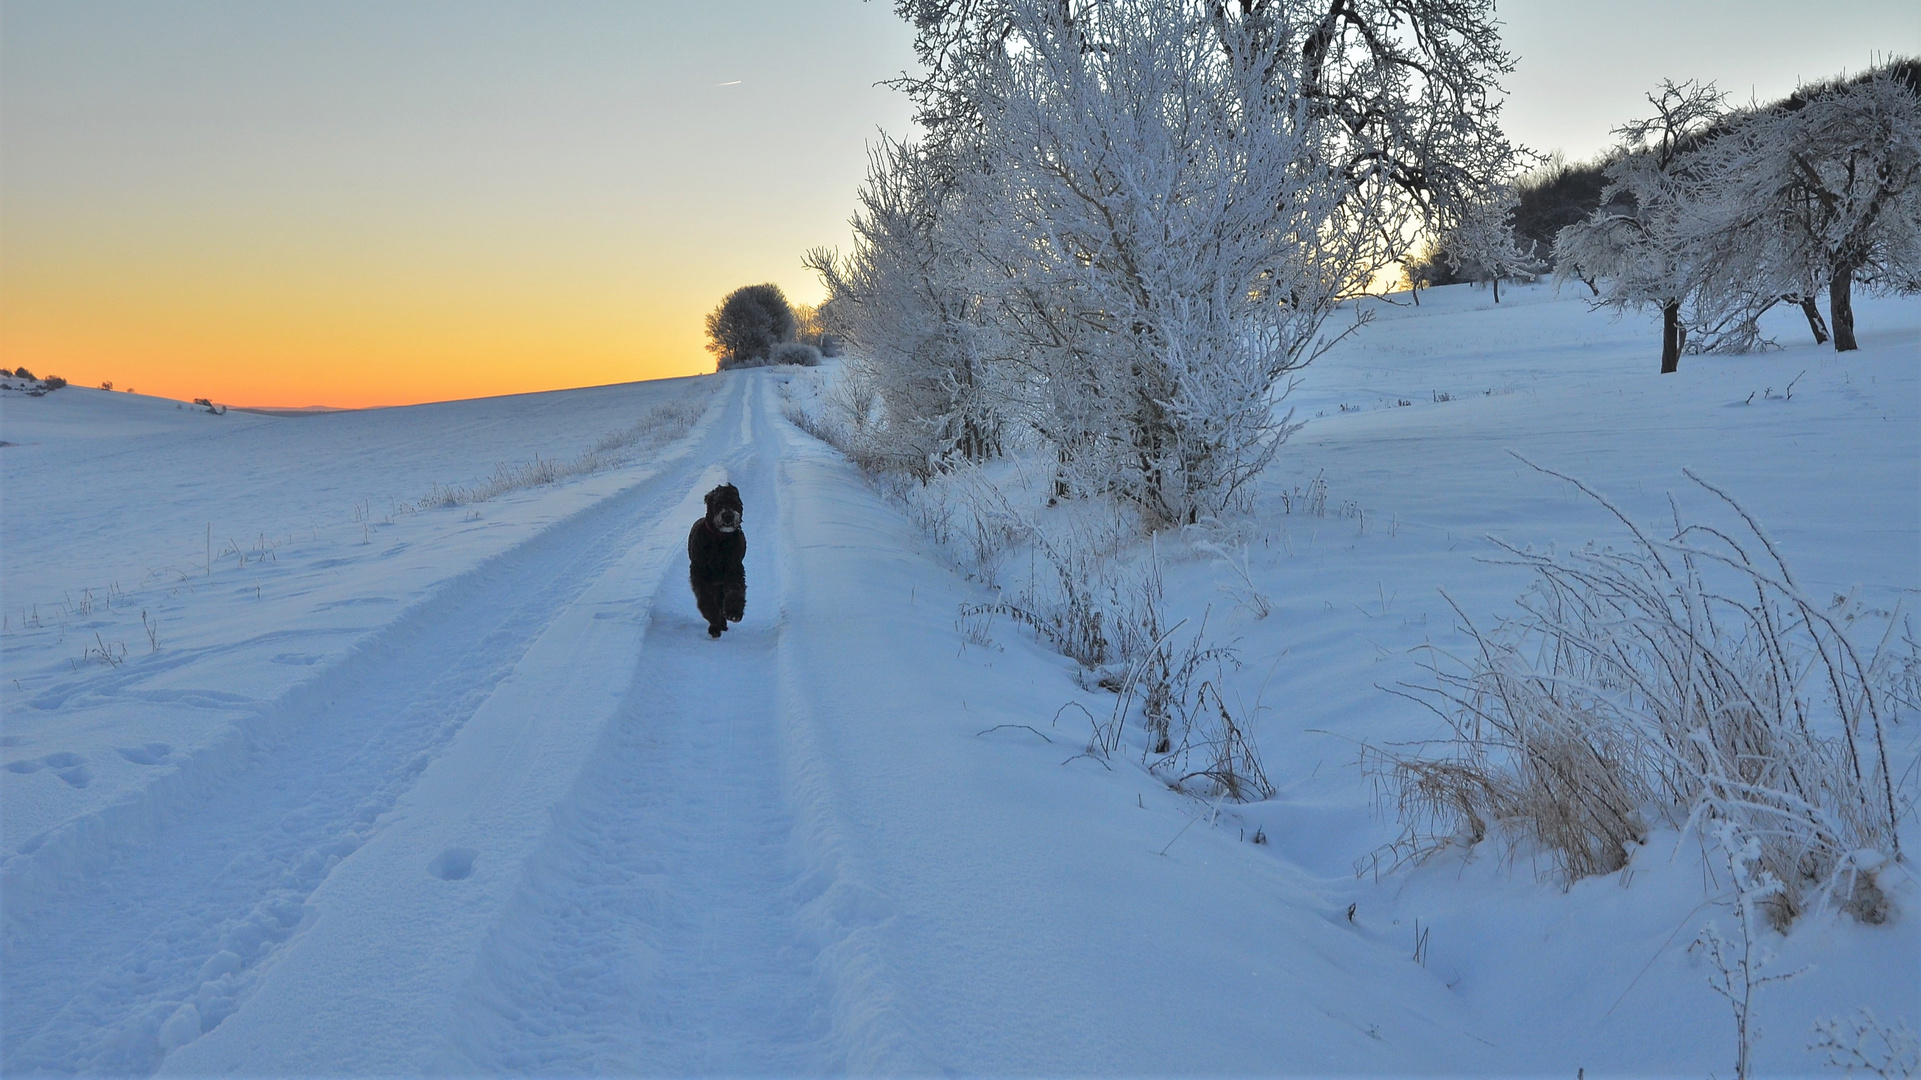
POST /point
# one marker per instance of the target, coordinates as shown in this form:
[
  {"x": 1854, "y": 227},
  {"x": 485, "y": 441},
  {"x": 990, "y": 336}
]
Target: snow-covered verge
[
  {"x": 1330, "y": 594},
  {"x": 459, "y": 793}
]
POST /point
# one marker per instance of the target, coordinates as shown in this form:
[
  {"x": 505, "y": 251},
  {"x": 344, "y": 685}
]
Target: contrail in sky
[{"x": 736, "y": 82}]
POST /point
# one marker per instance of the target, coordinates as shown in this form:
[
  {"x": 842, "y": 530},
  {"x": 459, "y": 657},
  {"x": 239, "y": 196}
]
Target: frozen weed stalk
[
  {"x": 1863, "y": 1042},
  {"x": 1190, "y": 731},
  {"x": 1236, "y": 555},
  {"x": 1742, "y": 966},
  {"x": 1686, "y": 679}
]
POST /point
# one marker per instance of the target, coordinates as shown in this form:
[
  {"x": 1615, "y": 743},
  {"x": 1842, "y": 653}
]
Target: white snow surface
[{"x": 469, "y": 790}]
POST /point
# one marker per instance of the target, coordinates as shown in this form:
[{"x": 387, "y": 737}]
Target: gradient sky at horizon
[{"x": 360, "y": 203}]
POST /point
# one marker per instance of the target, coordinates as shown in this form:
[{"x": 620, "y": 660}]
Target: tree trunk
[
  {"x": 1815, "y": 322},
  {"x": 1672, "y": 337},
  {"x": 1497, "y": 290},
  {"x": 1841, "y": 308}
]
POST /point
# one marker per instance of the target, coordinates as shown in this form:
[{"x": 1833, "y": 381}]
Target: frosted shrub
[
  {"x": 1065, "y": 607},
  {"x": 1080, "y": 595},
  {"x": 794, "y": 352},
  {"x": 1191, "y": 735},
  {"x": 965, "y": 511},
  {"x": 800, "y": 403},
  {"x": 843, "y": 409},
  {"x": 1685, "y": 679},
  {"x": 1863, "y": 1042},
  {"x": 850, "y": 417}
]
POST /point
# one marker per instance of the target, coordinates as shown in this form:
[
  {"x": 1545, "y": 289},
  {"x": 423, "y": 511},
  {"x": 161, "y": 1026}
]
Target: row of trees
[
  {"x": 1713, "y": 216},
  {"x": 1129, "y": 220}
]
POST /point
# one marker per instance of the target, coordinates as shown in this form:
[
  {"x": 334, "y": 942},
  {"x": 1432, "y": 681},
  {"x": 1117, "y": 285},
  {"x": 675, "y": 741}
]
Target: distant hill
[{"x": 287, "y": 410}]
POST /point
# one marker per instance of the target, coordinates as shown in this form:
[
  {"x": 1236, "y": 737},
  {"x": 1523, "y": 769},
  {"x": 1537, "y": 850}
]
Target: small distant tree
[
  {"x": 22, "y": 372},
  {"x": 807, "y": 324},
  {"x": 1636, "y": 243},
  {"x": 813, "y": 325},
  {"x": 1482, "y": 246},
  {"x": 1430, "y": 269},
  {"x": 744, "y": 329}
]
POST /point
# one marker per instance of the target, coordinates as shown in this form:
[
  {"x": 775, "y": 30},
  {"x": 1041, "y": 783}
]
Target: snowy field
[{"x": 301, "y": 777}]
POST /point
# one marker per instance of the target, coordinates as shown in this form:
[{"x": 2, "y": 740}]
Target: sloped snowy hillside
[{"x": 306, "y": 774}]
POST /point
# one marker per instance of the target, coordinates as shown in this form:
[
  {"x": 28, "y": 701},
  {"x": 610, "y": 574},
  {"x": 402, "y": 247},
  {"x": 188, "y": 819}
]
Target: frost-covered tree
[
  {"x": 744, "y": 329},
  {"x": 1166, "y": 197},
  {"x": 902, "y": 301},
  {"x": 1714, "y": 217},
  {"x": 1412, "y": 87},
  {"x": 1405, "y": 93},
  {"x": 1823, "y": 190},
  {"x": 1635, "y": 248},
  {"x": 1160, "y": 207},
  {"x": 1482, "y": 245}
]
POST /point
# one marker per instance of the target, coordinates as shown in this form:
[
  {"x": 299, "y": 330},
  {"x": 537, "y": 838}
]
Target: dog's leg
[
  {"x": 735, "y": 603},
  {"x": 710, "y": 601}
]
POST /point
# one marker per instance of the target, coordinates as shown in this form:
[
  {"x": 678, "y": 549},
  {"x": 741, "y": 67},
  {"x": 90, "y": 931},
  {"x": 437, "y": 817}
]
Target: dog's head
[{"x": 724, "y": 508}]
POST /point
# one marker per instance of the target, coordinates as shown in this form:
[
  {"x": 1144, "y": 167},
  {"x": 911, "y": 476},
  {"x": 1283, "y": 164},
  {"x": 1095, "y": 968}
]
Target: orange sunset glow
[
  {"x": 285, "y": 316},
  {"x": 377, "y": 205}
]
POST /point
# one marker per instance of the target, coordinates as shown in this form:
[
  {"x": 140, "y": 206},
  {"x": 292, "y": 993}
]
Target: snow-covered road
[
  {"x": 658, "y": 929},
  {"x": 588, "y": 877},
  {"x": 466, "y": 718}
]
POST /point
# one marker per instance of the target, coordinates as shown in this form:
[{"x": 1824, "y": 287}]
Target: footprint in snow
[
  {"x": 152, "y": 753},
  {"x": 453, "y": 863},
  {"x": 67, "y": 765}
]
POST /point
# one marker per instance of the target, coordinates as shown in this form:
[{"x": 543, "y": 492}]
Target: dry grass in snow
[{"x": 1686, "y": 679}]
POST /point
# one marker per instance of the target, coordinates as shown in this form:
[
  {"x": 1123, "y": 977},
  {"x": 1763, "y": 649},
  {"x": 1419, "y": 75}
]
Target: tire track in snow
[
  {"x": 658, "y": 930},
  {"x": 129, "y": 940}
]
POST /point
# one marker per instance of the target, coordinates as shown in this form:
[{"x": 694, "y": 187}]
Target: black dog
[{"x": 715, "y": 550}]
